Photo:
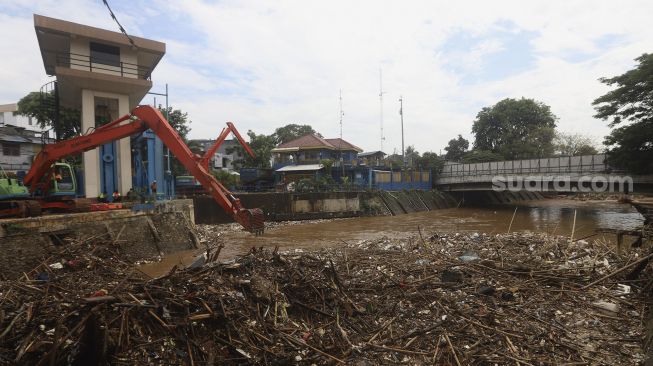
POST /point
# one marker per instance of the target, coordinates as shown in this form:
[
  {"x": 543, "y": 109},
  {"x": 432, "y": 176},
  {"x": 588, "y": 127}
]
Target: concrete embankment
[
  {"x": 283, "y": 206},
  {"x": 26, "y": 243},
  {"x": 323, "y": 205},
  {"x": 494, "y": 197}
]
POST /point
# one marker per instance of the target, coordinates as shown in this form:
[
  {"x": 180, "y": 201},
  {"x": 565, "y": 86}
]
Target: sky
[{"x": 264, "y": 64}]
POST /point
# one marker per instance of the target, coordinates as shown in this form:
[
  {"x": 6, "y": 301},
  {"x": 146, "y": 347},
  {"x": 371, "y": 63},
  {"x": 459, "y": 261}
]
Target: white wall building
[{"x": 7, "y": 117}]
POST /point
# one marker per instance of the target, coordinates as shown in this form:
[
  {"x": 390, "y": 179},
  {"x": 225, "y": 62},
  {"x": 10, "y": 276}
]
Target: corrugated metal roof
[
  {"x": 364, "y": 154},
  {"x": 10, "y": 138},
  {"x": 298, "y": 168},
  {"x": 307, "y": 141},
  {"x": 341, "y": 144}
]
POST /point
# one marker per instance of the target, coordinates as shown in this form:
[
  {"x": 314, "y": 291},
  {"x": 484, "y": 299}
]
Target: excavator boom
[
  {"x": 218, "y": 142},
  {"x": 141, "y": 119}
]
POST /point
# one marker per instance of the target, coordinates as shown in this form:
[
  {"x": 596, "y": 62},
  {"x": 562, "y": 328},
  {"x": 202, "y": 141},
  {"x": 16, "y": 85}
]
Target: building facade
[
  {"x": 105, "y": 76},
  {"x": 7, "y": 117},
  {"x": 225, "y": 156},
  {"x": 311, "y": 149},
  {"x": 19, "y": 146},
  {"x": 372, "y": 158}
]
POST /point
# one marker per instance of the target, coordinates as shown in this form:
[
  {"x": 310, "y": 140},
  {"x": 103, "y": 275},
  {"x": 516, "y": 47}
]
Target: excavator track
[
  {"x": 81, "y": 204},
  {"x": 20, "y": 208},
  {"x": 33, "y": 208}
]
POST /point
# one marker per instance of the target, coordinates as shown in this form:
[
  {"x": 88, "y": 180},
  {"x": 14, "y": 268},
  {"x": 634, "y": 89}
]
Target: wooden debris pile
[{"x": 444, "y": 299}]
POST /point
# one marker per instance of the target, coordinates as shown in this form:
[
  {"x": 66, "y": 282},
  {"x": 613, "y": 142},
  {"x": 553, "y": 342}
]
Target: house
[
  {"x": 19, "y": 146},
  {"x": 8, "y": 116},
  {"x": 225, "y": 155},
  {"x": 303, "y": 157},
  {"x": 371, "y": 158},
  {"x": 312, "y": 149}
]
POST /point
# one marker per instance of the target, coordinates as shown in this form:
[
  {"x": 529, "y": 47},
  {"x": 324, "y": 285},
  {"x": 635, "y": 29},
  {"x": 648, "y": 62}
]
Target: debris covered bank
[{"x": 439, "y": 299}]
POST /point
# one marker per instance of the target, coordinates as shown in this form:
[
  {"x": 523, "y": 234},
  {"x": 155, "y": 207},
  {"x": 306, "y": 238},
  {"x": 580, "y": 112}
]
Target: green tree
[
  {"x": 456, "y": 148},
  {"x": 181, "y": 123},
  {"x": 480, "y": 156},
  {"x": 292, "y": 131},
  {"x": 261, "y": 145},
  {"x": 630, "y": 106},
  {"x": 569, "y": 144},
  {"x": 178, "y": 120},
  {"x": 226, "y": 178},
  {"x": 41, "y": 109},
  {"x": 515, "y": 129},
  {"x": 430, "y": 160},
  {"x": 412, "y": 156}
]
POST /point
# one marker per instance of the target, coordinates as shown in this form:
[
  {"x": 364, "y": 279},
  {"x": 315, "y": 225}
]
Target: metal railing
[
  {"x": 96, "y": 64},
  {"x": 584, "y": 164}
]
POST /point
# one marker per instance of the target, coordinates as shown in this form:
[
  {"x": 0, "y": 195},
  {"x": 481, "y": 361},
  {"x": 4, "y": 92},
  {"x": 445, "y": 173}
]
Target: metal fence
[
  {"x": 562, "y": 165},
  {"x": 398, "y": 180}
]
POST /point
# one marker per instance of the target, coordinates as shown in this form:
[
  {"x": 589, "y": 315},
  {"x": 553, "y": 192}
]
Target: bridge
[{"x": 561, "y": 174}]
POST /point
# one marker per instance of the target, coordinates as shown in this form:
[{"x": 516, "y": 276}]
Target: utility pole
[
  {"x": 401, "y": 113},
  {"x": 342, "y": 163},
  {"x": 381, "y": 92}
]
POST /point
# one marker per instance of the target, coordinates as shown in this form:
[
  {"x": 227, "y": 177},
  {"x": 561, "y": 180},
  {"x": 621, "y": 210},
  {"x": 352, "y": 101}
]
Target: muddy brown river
[{"x": 554, "y": 216}]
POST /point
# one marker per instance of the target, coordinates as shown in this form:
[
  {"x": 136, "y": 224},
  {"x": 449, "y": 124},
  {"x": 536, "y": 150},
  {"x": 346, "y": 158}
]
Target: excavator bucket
[{"x": 253, "y": 220}]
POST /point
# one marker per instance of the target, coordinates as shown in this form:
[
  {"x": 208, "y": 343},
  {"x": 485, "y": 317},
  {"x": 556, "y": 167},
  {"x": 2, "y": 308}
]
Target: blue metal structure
[
  {"x": 108, "y": 168},
  {"x": 148, "y": 165}
]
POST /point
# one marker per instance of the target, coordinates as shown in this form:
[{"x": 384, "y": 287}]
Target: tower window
[{"x": 105, "y": 54}]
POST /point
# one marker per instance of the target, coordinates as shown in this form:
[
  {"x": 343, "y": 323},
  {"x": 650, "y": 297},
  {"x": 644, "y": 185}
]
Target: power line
[{"x": 119, "y": 25}]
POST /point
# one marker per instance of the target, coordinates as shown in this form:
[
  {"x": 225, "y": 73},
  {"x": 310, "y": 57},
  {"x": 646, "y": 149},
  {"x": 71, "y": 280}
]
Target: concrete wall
[
  {"x": 80, "y": 59},
  {"x": 283, "y": 206},
  {"x": 304, "y": 206},
  {"x": 467, "y": 198},
  {"x": 25, "y": 243},
  {"x": 337, "y": 204}
]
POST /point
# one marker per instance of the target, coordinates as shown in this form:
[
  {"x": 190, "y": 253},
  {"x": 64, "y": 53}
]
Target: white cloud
[{"x": 264, "y": 64}]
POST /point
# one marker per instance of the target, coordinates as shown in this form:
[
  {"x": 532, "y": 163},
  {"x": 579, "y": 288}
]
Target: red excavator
[
  {"x": 218, "y": 142},
  {"x": 187, "y": 185},
  {"x": 141, "y": 119}
]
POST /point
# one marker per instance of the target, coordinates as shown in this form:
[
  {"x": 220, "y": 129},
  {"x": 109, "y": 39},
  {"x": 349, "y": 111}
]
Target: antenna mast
[
  {"x": 342, "y": 163},
  {"x": 341, "y": 113}
]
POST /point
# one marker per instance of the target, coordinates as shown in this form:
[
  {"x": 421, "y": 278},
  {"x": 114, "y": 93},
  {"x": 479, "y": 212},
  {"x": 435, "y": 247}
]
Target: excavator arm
[
  {"x": 141, "y": 119},
  {"x": 218, "y": 142}
]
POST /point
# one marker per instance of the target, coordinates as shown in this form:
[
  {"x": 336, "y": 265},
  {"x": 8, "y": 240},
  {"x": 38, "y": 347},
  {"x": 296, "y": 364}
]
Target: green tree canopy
[
  {"x": 569, "y": 144},
  {"x": 481, "y": 156},
  {"x": 515, "y": 129},
  {"x": 456, "y": 148},
  {"x": 430, "y": 160},
  {"x": 412, "y": 156},
  {"x": 630, "y": 106},
  {"x": 41, "y": 107},
  {"x": 261, "y": 145},
  {"x": 292, "y": 131},
  {"x": 181, "y": 123},
  {"x": 178, "y": 120}
]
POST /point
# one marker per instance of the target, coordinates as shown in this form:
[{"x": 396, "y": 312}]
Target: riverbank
[{"x": 428, "y": 298}]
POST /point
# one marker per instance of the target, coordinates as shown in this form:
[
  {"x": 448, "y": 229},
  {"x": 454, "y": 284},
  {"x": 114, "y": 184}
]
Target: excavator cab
[{"x": 62, "y": 182}]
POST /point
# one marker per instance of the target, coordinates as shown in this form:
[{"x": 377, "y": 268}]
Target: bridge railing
[{"x": 562, "y": 165}]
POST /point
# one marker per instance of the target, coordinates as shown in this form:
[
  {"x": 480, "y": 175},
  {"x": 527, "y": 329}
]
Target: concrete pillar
[{"x": 91, "y": 159}]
